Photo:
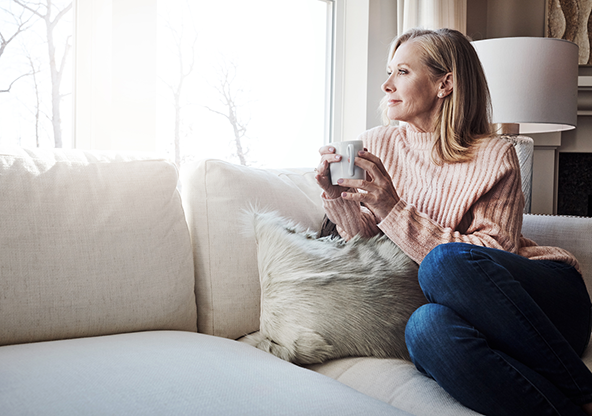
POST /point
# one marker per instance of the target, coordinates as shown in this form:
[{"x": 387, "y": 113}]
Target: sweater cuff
[
  {"x": 343, "y": 213},
  {"x": 390, "y": 221}
]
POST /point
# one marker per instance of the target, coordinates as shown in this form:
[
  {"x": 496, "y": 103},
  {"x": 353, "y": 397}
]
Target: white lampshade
[{"x": 533, "y": 82}]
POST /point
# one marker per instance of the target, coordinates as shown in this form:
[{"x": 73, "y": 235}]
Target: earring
[{"x": 440, "y": 94}]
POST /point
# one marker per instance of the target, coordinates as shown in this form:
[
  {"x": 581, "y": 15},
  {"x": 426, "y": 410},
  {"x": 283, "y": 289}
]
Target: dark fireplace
[{"x": 574, "y": 193}]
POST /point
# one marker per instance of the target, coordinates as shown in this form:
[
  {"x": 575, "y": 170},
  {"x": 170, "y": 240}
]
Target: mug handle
[{"x": 351, "y": 156}]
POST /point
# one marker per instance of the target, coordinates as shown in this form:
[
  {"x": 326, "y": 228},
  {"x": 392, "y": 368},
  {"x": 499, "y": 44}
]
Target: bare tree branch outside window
[
  {"x": 229, "y": 96},
  {"x": 184, "y": 48},
  {"x": 51, "y": 15},
  {"x": 37, "y": 110},
  {"x": 22, "y": 22}
]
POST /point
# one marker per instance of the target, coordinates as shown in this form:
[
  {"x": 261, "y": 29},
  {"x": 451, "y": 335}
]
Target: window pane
[
  {"x": 36, "y": 73},
  {"x": 242, "y": 81}
]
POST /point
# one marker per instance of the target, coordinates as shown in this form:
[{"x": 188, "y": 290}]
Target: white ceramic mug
[{"x": 345, "y": 168}]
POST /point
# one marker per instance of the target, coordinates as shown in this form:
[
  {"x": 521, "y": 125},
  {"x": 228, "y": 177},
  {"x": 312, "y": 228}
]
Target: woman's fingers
[
  {"x": 328, "y": 153},
  {"x": 323, "y": 178},
  {"x": 326, "y": 150},
  {"x": 379, "y": 194},
  {"x": 372, "y": 165}
]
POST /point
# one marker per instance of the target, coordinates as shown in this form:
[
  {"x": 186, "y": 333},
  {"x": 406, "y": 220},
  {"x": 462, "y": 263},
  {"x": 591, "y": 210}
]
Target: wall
[
  {"x": 505, "y": 18},
  {"x": 381, "y": 31}
]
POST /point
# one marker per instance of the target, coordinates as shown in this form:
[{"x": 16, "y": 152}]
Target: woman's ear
[{"x": 446, "y": 85}]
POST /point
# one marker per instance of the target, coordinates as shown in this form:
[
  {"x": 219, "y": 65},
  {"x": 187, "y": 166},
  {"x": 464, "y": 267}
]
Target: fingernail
[
  {"x": 344, "y": 194},
  {"x": 331, "y": 149},
  {"x": 337, "y": 157},
  {"x": 361, "y": 153},
  {"x": 340, "y": 181}
]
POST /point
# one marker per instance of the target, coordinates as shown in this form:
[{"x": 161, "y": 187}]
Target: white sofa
[{"x": 118, "y": 297}]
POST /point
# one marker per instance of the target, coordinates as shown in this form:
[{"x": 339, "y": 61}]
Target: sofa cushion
[
  {"x": 91, "y": 244},
  {"x": 167, "y": 373},
  {"x": 573, "y": 234},
  {"x": 215, "y": 193},
  {"x": 396, "y": 382}
]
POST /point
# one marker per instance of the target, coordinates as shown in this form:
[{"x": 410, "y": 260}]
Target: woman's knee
[
  {"x": 432, "y": 335},
  {"x": 426, "y": 329},
  {"x": 439, "y": 268}
]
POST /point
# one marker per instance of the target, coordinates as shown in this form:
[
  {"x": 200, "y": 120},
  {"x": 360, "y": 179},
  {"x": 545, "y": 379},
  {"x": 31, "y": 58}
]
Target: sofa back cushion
[
  {"x": 91, "y": 244},
  {"x": 215, "y": 194}
]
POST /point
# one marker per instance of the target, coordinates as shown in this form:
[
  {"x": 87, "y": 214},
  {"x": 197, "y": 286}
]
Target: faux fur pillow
[{"x": 324, "y": 298}]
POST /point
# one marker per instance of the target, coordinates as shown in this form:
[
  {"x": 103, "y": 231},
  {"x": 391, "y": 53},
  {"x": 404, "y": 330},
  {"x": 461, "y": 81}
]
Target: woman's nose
[{"x": 388, "y": 85}]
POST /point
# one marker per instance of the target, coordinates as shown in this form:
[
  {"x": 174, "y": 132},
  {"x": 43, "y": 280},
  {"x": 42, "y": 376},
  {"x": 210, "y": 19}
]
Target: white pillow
[{"x": 327, "y": 298}]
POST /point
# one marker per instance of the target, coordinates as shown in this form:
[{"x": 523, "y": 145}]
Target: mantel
[{"x": 585, "y": 96}]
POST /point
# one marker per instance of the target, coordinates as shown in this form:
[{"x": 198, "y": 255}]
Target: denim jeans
[{"x": 503, "y": 334}]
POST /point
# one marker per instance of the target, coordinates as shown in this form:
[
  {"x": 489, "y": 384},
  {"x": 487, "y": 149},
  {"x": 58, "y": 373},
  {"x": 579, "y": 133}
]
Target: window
[
  {"x": 243, "y": 81},
  {"x": 294, "y": 70}
]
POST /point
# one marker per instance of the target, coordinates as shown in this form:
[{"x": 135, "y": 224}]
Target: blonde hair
[{"x": 466, "y": 112}]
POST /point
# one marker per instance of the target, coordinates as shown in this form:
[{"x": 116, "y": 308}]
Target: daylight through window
[{"x": 242, "y": 81}]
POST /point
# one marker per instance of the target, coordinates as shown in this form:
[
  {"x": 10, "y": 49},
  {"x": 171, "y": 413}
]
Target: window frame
[{"x": 348, "y": 103}]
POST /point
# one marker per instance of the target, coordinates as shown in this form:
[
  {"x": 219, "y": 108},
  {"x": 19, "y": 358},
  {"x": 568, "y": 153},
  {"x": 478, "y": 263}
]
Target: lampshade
[{"x": 533, "y": 82}]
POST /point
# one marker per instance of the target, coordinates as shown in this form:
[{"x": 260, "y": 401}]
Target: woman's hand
[
  {"x": 323, "y": 174},
  {"x": 380, "y": 196}
]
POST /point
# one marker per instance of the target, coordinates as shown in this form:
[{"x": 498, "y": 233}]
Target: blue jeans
[{"x": 503, "y": 334}]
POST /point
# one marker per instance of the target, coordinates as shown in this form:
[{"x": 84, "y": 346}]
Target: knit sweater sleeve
[{"x": 493, "y": 220}]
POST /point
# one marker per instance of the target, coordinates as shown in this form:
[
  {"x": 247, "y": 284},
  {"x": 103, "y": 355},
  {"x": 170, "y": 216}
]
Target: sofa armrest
[{"x": 573, "y": 234}]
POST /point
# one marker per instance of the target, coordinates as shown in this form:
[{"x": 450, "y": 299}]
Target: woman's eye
[{"x": 402, "y": 71}]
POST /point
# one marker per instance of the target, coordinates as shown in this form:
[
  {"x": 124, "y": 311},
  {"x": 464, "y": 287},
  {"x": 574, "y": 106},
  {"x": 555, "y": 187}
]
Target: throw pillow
[{"x": 325, "y": 298}]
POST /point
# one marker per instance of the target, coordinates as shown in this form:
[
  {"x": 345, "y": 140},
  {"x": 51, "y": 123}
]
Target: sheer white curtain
[{"x": 432, "y": 14}]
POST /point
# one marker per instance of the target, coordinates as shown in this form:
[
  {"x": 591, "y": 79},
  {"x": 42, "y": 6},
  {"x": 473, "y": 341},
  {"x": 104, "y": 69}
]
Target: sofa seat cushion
[
  {"x": 167, "y": 372},
  {"x": 396, "y": 382},
  {"x": 92, "y": 244}
]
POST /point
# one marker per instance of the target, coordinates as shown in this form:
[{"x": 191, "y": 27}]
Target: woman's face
[{"x": 411, "y": 90}]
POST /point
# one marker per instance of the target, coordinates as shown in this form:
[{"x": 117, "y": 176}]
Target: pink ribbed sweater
[{"x": 478, "y": 202}]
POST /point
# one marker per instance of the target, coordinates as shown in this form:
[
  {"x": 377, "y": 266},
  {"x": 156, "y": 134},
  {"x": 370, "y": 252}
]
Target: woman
[{"x": 507, "y": 319}]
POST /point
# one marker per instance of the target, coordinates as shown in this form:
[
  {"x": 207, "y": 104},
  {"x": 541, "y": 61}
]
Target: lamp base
[{"x": 524, "y": 146}]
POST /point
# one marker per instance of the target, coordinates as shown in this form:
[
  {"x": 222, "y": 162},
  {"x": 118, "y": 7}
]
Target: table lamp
[{"x": 533, "y": 84}]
